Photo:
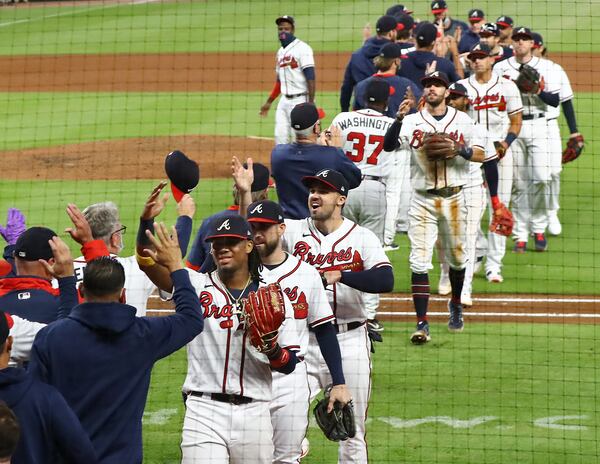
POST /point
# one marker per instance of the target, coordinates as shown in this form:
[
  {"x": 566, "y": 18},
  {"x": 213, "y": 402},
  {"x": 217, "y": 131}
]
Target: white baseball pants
[{"x": 283, "y": 126}]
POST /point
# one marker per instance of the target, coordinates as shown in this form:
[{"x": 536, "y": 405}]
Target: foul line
[{"x": 503, "y": 299}]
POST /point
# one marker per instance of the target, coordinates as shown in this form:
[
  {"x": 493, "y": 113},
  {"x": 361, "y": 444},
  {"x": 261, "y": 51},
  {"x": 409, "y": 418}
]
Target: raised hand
[
  {"x": 15, "y": 226},
  {"x": 243, "y": 177},
  {"x": 62, "y": 264},
  {"x": 155, "y": 203},
  {"x": 404, "y": 108},
  {"x": 186, "y": 206},
  {"x": 166, "y": 247},
  {"x": 81, "y": 231},
  {"x": 431, "y": 67},
  {"x": 410, "y": 96}
]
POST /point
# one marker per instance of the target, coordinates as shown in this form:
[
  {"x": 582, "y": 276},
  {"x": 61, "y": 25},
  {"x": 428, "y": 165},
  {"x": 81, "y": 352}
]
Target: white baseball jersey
[
  {"x": 349, "y": 248},
  {"x": 565, "y": 91},
  {"x": 426, "y": 175},
  {"x": 532, "y": 104},
  {"x": 138, "y": 287},
  {"x": 291, "y": 60},
  {"x": 492, "y": 102},
  {"x": 301, "y": 283},
  {"x": 363, "y": 132},
  {"x": 221, "y": 359},
  {"x": 23, "y": 333}
]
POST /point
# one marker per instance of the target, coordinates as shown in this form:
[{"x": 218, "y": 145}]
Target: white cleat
[
  {"x": 444, "y": 287},
  {"x": 554, "y": 225},
  {"x": 466, "y": 300},
  {"x": 305, "y": 447},
  {"x": 494, "y": 277}
]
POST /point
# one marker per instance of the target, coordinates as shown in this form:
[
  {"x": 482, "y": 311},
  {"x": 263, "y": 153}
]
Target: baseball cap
[
  {"x": 522, "y": 31},
  {"x": 305, "y": 115},
  {"x": 426, "y": 33},
  {"x": 334, "y": 180},
  {"x": 261, "y": 177},
  {"x": 538, "y": 40},
  {"x": 489, "y": 29},
  {"x": 6, "y": 323},
  {"x": 183, "y": 173},
  {"x": 385, "y": 24},
  {"x": 479, "y": 49},
  {"x": 436, "y": 76},
  {"x": 476, "y": 15},
  {"x": 504, "y": 21},
  {"x": 286, "y": 18},
  {"x": 228, "y": 226},
  {"x": 378, "y": 91},
  {"x": 33, "y": 244},
  {"x": 457, "y": 89},
  {"x": 438, "y": 6},
  {"x": 265, "y": 211},
  {"x": 397, "y": 10},
  {"x": 391, "y": 50},
  {"x": 405, "y": 22}
]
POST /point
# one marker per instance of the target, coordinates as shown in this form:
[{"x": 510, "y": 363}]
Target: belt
[
  {"x": 445, "y": 192},
  {"x": 342, "y": 328},
  {"x": 375, "y": 178},
  {"x": 296, "y": 95},
  {"x": 224, "y": 397},
  {"x": 529, "y": 117}
]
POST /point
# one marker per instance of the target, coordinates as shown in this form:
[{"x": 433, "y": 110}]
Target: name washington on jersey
[{"x": 364, "y": 121}]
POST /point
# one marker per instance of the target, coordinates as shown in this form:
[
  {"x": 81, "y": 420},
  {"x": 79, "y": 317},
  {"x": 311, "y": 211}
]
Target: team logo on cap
[
  {"x": 323, "y": 173},
  {"x": 257, "y": 209},
  {"x": 342, "y": 188},
  {"x": 435, "y": 6},
  {"x": 434, "y": 74},
  {"x": 521, "y": 31},
  {"x": 225, "y": 225}
]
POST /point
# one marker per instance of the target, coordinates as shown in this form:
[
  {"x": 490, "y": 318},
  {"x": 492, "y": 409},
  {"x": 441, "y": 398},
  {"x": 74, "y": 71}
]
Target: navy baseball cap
[
  {"x": 522, "y": 32},
  {"x": 426, "y": 33},
  {"x": 489, "y": 29},
  {"x": 476, "y": 15},
  {"x": 438, "y": 6},
  {"x": 385, "y": 24},
  {"x": 436, "y": 76},
  {"x": 6, "y": 323},
  {"x": 457, "y": 89},
  {"x": 398, "y": 10},
  {"x": 538, "y": 40},
  {"x": 405, "y": 22},
  {"x": 391, "y": 50},
  {"x": 183, "y": 173},
  {"x": 305, "y": 115},
  {"x": 33, "y": 244},
  {"x": 287, "y": 19},
  {"x": 378, "y": 91},
  {"x": 265, "y": 211},
  {"x": 228, "y": 226},
  {"x": 261, "y": 177},
  {"x": 504, "y": 21},
  {"x": 479, "y": 50},
  {"x": 334, "y": 180}
]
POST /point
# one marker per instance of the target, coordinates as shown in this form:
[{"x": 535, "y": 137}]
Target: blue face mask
[{"x": 286, "y": 38}]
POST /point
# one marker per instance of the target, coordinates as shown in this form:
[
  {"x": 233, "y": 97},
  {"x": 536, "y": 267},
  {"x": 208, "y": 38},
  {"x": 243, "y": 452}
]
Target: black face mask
[{"x": 286, "y": 38}]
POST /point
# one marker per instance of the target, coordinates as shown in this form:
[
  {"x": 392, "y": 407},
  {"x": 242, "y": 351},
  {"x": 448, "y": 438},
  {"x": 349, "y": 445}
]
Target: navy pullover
[{"x": 414, "y": 65}]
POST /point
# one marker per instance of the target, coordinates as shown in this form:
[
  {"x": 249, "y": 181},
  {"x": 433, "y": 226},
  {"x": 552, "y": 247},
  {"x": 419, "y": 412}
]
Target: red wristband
[
  {"x": 281, "y": 358},
  {"x": 276, "y": 91},
  {"x": 495, "y": 202},
  {"x": 94, "y": 249}
]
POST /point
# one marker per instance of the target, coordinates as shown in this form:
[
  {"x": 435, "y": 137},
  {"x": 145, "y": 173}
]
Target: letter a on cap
[{"x": 225, "y": 225}]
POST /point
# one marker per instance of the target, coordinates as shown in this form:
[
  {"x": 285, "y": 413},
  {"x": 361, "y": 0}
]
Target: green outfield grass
[
  {"x": 508, "y": 375},
  {"x": 244, "y": 25}
]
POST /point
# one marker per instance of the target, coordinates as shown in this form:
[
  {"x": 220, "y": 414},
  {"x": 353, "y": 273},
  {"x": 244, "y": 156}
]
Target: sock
[
  {"x": 420, "y": 294},
  {"x": 457, "y": 279}
]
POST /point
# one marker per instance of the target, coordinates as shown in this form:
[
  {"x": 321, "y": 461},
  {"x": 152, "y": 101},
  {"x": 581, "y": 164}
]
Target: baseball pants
[
  {"x": 555, "y": 149},
  {"x": 289, "y": 414},
  {"x": 397, "y": 196},
  {"x": 496, "y": 244},
  {"x": 223, "y": 433},
  {"x": 283, "y": 126},
  {"x": 475, "y": 202},
  {"x": 356, "y": 362},
  {"x": 431, "y": 216},
  {"x": 531, "y": 174}
]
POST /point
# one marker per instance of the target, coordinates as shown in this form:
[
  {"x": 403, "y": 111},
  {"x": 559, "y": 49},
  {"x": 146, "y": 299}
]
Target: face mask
[{"x": 286, "y": 38}]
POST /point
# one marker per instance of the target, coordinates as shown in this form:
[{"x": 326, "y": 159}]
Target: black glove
[
  {"x": 528, "y": 80},
  {"x": 338, "y": 425},
  {"x": 374, "y": 336}
]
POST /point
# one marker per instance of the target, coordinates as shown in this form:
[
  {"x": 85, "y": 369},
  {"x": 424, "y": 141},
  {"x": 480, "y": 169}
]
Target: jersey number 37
[{"x": 359, "y": 141}]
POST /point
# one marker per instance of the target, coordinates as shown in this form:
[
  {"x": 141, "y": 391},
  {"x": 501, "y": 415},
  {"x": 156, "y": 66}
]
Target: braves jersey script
[
  {"x": 291, "y": 60},
  {"x": 349, "y": 248},
  {"x": 301, "y": 283},
  {"x": 221, "y": 359},
  {"x": 492, "y": 102},
  {"x": 138, "y": 287},
  {"x": 427, "y": 175},
  {"x": 532, "y": 104},
  {"x": 363, "y": 132},
  {"x": 565, "y": 91}
]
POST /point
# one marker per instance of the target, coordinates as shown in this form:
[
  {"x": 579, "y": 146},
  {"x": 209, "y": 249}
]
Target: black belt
[
  {"x": 348, "y": 327},
  {"x": 296, "y": 95},
  {"x": 529, "y": 117},
  {"x": 445, "y": 192},
  {"x": 223, "y": 397},
  {"x": 375, "y": 178}
]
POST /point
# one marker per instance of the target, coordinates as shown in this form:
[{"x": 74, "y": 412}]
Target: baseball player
[
  {"x": 438, "y": 203},
  {"x": 566, "y": 103},
  {"x": 531, "y": 151},
  {"x": 439, "y": 10},
  {"x": 470, "y": 36},
  {"x": 505, "y": 24},
  {"x": 490, "y": 36},
  {"x": 352, "y": 262},
  {"x": 295, "y": 69},
  {"x": 495, "y": 103}
]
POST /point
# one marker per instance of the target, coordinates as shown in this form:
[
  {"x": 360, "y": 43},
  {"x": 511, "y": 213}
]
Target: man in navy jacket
[{"x": 101, "y": 356}]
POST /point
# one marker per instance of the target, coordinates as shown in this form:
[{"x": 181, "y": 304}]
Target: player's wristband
[
  {"x": 279, "y": 357},
  {"x": 466, "y": 153},
  {"x": 495, "y": 202},
  {"x": 276, "y": 91},
  {"x": 145, "y": 224},
  {"x": 144, "y": 260},
  {"x": 510, "y": 138}
]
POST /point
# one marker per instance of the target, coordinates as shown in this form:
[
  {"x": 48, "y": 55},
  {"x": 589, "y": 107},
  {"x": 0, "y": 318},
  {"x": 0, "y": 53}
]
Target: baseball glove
[
  {"x": 574, "y": 148},
  {"x": 528, "y": 80},
  {"x": 500, "y": 149},
  {"x": 337, "y": 425},
  {"x": 264, "y": 312},
  {"x": 502, "y": 221},
  {"x": 438, "y": 146}
]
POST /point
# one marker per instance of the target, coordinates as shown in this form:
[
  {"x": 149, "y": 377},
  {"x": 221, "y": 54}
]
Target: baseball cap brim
[
  {"x": 475, "y": 20},
  {"x": 456, "y": 92},
  {"x": 212, "y": 237},
  {"x": 177, "y": 193},
  {"x": 282, "y": 19},
  {"x": 522, "y": 34},
  {"x": 503, "y": 24},
  {"x": 309, "y": 180},
  {"x": 427, "y": 80},
  {"x": 478, "y": 53},
  {"x": 438, "y": 10},
  {"x": 264, "y": 220}
]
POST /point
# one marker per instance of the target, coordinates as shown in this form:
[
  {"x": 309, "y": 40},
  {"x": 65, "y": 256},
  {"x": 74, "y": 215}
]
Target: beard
[
  {"x": 435, "y": 101},
  {"x": 267, "y": 248}
]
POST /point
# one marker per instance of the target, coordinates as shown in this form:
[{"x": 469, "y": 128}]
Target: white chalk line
[{"x": 502, "y": 299}]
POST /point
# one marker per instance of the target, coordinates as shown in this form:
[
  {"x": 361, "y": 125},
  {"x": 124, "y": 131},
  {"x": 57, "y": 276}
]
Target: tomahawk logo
[
  {"x": 225, "y": 225},
  {"x": 257, "y": 209}
]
